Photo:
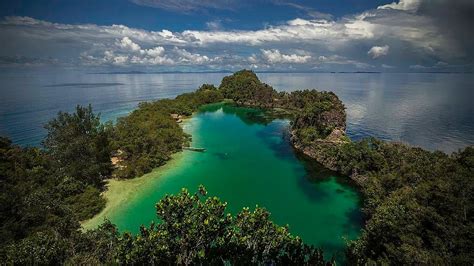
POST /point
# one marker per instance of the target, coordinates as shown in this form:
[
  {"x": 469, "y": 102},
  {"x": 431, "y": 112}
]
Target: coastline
[
  {"x": 315, "y": 152},
  {"x": 119, "y": 191}
]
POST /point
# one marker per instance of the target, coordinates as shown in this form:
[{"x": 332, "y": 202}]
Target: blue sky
[
  {"x": 141, "y": 14},
  {"x": 265, "y": 35}
]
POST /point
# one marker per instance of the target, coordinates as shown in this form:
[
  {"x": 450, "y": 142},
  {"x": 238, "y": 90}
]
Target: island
[{"x": 418, "y": 204}]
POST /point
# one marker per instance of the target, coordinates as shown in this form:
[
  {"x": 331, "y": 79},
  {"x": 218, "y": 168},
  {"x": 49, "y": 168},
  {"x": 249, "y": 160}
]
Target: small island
[{"x": 418, "y": 205}]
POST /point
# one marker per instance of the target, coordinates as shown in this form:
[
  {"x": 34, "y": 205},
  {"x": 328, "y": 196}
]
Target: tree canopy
[
  {"x": 419, "y": 204},
  {"x": 79, "y": 144}
]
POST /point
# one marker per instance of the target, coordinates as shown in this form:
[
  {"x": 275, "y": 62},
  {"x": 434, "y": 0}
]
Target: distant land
[{"x": 282, "y": 71}]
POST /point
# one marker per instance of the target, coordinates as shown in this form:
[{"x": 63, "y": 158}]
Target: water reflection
[{"x": 434, "y": 111}]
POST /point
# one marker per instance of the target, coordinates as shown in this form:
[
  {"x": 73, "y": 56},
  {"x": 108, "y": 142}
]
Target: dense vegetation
[
  {"x": 79, "y": 146},
  {"x": 419, "y": 204},
  {"x": 195, "y": 229},
  {"x": 149, "y": 135},
  {"x": 315, "y": 114}
]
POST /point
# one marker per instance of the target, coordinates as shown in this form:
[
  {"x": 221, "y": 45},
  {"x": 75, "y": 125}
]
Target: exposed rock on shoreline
[{"x": 319, "y": 148}]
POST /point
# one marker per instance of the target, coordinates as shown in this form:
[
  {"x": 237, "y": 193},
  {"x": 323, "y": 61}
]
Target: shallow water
[
  {"x": 434, "y": 111},
  {"x": 249, "y": 164}
]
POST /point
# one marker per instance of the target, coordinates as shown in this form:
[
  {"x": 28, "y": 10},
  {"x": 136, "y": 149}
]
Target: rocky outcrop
[{"x": 320, "y": 151}]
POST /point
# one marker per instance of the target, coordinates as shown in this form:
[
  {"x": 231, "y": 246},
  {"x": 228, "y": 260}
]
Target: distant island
[
  {"x": 164, "y": 72},
  {"x": 418, "y": 204}
]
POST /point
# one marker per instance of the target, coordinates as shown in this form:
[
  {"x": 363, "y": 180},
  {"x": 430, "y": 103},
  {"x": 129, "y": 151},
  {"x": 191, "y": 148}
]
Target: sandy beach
[{"x": 120, "y": 191}]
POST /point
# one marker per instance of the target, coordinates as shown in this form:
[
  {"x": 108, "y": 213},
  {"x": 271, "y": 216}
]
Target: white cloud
[
  {"x": 214, "y": 25},
  {"x": 274, "y": 56},
  {"x": 341, "y": 60},
  {"x": 253, "y": 59},
  {"x": 294, "y": 31},
  {"x": 418, "y": 67},
  {"x": 154, "y": 52},
  {"x": 187, "y": 57},
  {"x": 378, "y": 51},
  {"x": 340, "y": 43},
  {"x": 406, "y": 5},
  {"x": 126, "y": 43},
  {"x": 120, "y": 60}
]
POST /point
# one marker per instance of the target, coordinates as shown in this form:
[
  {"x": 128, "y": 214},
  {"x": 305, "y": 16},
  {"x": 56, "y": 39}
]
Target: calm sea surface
[{"x": 434, "y": 111}]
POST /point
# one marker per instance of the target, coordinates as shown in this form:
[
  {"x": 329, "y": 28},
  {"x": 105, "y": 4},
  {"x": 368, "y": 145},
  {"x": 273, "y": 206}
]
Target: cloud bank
[{"x": 399, "y": 35}]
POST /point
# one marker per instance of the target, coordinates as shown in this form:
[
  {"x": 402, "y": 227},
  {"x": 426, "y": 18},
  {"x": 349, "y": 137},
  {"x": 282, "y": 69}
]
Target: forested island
[{"x": 418, "y": 204}]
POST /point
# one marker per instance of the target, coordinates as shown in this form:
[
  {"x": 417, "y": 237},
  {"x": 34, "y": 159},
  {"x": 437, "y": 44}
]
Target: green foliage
[
  {"x": 79, "y": 144},
  {"x": 316, "y": 113},
  {"x": 44, "y": 193},
  {"x": 147, "y": 139},
  {"x": 42, "y": 248},
  {"x": 419, "y": 204},
  {"x": 149, "y": 135},
  {"x": 28, "y": 200},
  {"x": 94, "y": 247},
  {"x": 195, "y": 229},
  {"x": 308, "y": 135},
  {"x": 85, "y": 204},
  {"x": 244, "y": 87},
  {"x": 51, "y": 248}
]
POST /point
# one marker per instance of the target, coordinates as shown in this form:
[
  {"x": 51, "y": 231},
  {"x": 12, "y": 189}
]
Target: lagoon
[{"x": 248, "y": 161}]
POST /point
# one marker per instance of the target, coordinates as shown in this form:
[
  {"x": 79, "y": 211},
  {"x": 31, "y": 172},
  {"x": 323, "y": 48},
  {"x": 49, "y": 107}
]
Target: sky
[{"x": 263, "y": 35}]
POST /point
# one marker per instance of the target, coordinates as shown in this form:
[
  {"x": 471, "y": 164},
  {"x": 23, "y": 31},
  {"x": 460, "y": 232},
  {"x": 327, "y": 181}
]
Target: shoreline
[
  {"x": 119, "y": 191},
  {"x": 314, "y": 153}
]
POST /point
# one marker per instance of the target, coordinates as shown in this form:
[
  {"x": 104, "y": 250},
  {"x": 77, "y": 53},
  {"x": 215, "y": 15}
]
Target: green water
[{"x": 248, "y": 163}]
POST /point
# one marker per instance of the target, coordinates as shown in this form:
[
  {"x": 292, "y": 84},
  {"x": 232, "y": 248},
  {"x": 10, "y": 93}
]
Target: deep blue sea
[{"x": 433, "y": 111}]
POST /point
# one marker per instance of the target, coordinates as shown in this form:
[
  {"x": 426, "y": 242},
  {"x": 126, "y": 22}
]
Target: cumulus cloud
[
  {"x": 154, "y": 52},
  {"x": 188, "y": 57},
  {"x": 126, "y": 43},
  {"x": 149, "y": 57},
  {"x": 378, "y": 51},
  {"x": 274, "y": 56},
  {"x": 406, "y": 5},
  {"x": 409, "y": 30}
]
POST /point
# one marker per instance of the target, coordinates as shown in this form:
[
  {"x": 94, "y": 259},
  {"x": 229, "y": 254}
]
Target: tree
[
  {"x": 79, "y": 144},
  {"x": 195, "y": 229}
]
